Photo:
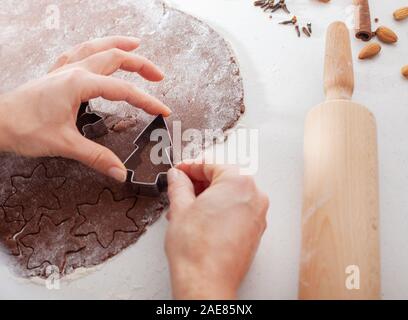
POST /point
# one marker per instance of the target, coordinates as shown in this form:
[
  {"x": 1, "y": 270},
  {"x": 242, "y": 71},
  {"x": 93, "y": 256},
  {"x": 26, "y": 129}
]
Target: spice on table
[
  {"x": 362, "y": 26},
  {"x": 285, "y": 8},
  {"x": 297, "y": 30},
  {"x": 404, "y": 71},
  {"x": 369, "y": 51},
  {"x": 281, "y": 5},
  {"x": 271, "y": 6},
  {"x": 309, "y": 27},
  {"x": 386, "y": 35},
  {"x": 265, "y": 4},
  {"x": 259, "y": 3},
  {"x": 401, "y": 14},
  {"x": 306, "y": 32},
  {"x": 291, "y": 21}
]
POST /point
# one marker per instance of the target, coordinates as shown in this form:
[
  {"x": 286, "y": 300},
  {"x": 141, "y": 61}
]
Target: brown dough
[{"x": 59, "y": 212}]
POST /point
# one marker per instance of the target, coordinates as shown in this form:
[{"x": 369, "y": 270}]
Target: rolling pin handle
[{"x": 338, "y": 71}]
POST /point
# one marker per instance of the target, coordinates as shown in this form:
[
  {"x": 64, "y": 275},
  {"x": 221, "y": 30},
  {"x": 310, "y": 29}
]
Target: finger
[
  {"x": 94, "y": 156},
  {"x": 180, "y": 191},
  {"x": 89, "y": 48},
  {"x": 207, "y": 172},
  {"x": 114, "y": 89},
  {"x": 107, "y": 62}
]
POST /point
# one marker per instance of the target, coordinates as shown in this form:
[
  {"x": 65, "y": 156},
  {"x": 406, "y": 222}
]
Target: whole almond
[
  {"x": 404, "y": 71},
  {"x": 401, "y": 14},
  {"x": 369, "y": 51},
  {"x": 386, "y": 35}
]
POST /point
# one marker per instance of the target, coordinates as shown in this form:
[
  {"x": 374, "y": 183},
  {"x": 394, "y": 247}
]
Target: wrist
[
  {"x": 194, "y": 283},
  {"x": 5, "y": 119},
  {"x": 203, "y": 292}
]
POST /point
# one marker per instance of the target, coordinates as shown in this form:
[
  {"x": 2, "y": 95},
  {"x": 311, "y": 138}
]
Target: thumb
[
  {"x": 180, "y": 191},
  {"x": 96, "y": 157}
]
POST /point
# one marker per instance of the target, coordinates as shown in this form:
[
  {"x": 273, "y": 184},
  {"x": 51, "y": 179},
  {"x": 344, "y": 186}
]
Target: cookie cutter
[
  {"x": 151, "y": 189},
  {"x": 89, "y": 123},
  {"x": 92, "y": 125}
]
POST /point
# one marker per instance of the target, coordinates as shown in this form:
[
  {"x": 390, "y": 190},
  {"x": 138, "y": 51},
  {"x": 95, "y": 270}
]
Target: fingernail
[
  {"x": 162, "y": 75},
  {"x": 188, "y": 161},
  {"x": 172, "y": 176},
  {"x": 118, "y": 174},
  {"x": 135, "y": 39},
  {"x": 168, "y": 111}
]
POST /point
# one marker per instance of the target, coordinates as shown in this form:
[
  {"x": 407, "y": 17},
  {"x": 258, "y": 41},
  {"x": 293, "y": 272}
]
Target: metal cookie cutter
[
  {"x": 89, "y": 123},
  {"x": 133, "y": 162}
]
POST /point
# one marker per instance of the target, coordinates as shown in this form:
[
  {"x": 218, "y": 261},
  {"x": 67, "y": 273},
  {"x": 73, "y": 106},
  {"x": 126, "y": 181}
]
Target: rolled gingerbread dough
[{"x": 56, "y": 212}]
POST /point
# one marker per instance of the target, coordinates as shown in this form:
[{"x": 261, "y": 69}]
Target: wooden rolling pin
[{"x": 340, "y": 233}]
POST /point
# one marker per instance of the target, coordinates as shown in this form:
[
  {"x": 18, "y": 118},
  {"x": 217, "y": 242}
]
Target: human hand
[
  {"x": 216, "y": 220},
  {"x": 39, "y": 118}
]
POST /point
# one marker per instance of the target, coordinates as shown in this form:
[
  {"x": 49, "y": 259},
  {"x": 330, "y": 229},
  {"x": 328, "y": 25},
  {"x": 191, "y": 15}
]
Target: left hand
[
  {"x": 216, "y": 220},
  {"x": 39, "y": 118}
]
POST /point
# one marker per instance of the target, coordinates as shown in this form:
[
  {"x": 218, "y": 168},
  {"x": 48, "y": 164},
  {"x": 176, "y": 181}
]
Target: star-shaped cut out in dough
[
  {"x": 7, "y": 231},
  {"x": 106, "y": 217},
  {"x": 34, "y": 192},
  {"x": 68, "y": 197},
  {"x": 52, "y": 243},
  {"x": 13, "y": 213}
]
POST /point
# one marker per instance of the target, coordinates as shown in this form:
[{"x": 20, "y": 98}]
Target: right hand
[
  {"x": 39, "y": 118},
  {"x": 216, "y": 220}
]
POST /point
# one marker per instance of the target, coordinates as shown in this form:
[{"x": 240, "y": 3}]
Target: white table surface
[{"x": 283, "y": 80}]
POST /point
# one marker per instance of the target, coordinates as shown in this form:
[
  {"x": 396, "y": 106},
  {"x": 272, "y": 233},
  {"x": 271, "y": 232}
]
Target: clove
[
  {"x": 306, "y": 32},
  {"x": 259, "y": 3},
  {"x": 266, "y": 4},
  {"x": 285, "y": 8},
  {"x": 309, "y": 27},
  {"x": 297, "y": 30},
  {"x": 291, "y": 21},
  {"x": 281, "y": 5}
]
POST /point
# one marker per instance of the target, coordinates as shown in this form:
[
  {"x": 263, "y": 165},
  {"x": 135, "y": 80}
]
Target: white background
[{"x": 283, "y": 80}]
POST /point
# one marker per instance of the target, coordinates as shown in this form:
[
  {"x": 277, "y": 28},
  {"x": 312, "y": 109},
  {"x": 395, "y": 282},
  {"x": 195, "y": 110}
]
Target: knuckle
[
  {"x": 126, "y": 90},
  {"x": 264, "y": 200},
  {"x": 245, "y": 183},
  {"x": 74, "y": 75},
  {"x": 264, "y": 226},
  {"x": 116, "y": 53},
  {"x": 261, "y": 223},
  {"x": 76, "y": 72},
  {"x": 175, "y": 188},
  {"x": 230, "y": 169},
  {"x": 85, "y": 49},
  {"x": 63, "y": 59},
  {"x": 96, "y": 157},
  {"x": 261, "y": 206}
]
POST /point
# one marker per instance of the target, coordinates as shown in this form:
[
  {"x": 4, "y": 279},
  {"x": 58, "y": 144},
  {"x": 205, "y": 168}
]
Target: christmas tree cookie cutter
[
  {"x": 151, "y": 189},
  {"x": 92, "y": 125}
]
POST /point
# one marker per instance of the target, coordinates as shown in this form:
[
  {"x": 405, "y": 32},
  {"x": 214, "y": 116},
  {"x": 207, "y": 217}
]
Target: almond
[
  {"x": 369, "y": 51},
  {"x": 401, "y": 14},
  {"x": 404, "y": 71},
  {"x": 386, "y": 35}
]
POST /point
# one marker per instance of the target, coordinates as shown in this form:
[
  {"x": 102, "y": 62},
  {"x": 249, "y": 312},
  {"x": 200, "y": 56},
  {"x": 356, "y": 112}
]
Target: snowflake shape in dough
[
  {"x": 52, "y": 243},
  {"x": 34, "y": 192},
  {"x": 106, "y": 217}
]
